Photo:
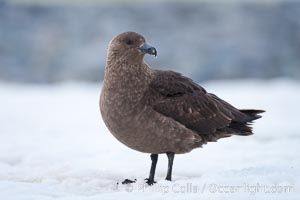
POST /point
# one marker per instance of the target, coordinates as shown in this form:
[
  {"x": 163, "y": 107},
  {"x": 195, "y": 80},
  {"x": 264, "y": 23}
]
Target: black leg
[
  {"x": 170, "y": 165},
  {"x": 150, "y": 180}
]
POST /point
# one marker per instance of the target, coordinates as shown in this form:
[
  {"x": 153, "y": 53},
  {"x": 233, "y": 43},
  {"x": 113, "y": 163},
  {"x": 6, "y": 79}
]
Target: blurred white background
[{"x": 53, "y": 143}]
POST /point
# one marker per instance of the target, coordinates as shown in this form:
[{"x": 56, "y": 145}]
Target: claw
[{"x": 149, "y": 181}]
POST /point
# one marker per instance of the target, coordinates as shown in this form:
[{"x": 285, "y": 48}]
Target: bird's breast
[{"x": 120, "y": 108}]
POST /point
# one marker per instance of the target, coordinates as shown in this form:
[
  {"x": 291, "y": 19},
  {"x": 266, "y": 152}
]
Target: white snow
[{"x": 54, "y": 145}]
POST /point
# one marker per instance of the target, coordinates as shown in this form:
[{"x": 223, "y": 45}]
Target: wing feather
[{"x": 178, "y": 97}]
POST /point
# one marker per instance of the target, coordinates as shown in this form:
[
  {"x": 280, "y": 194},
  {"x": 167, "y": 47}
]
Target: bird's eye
[{"x": 129, "y": 42}]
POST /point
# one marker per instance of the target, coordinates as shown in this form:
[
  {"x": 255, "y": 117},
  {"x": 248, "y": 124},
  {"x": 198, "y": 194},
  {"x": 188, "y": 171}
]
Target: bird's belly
[{"x": 145, "y": 130}]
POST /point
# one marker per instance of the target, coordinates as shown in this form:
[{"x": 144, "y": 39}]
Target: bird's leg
[
  {"x": 150, "y": 180},
  {"x": 170, "y": 165}
]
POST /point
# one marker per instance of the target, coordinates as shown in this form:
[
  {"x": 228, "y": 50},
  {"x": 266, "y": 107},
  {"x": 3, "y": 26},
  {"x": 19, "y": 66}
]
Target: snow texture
[{"x": 54, "y": 145}]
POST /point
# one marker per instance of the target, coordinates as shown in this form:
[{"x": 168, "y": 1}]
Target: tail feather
[
  {"x": 243, "y": 126},
  {"x": 239, "y": 128},
  {"x": 252, "y": 114},
  {"x": 240, "y": 125}
]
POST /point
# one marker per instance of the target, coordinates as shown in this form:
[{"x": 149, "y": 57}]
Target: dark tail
[
  {"x": 243, "y": 127},
  {"x": 252, "y": 114}
]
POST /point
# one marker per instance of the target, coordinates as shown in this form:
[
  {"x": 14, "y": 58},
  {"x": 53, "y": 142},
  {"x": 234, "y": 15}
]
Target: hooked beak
[{"x": 148, "y": 49}]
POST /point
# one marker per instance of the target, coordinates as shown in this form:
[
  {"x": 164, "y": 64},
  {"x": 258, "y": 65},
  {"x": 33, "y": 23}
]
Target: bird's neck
[
  {"x": 124, "y": 73},
  {"x": 116, "y": 60}
]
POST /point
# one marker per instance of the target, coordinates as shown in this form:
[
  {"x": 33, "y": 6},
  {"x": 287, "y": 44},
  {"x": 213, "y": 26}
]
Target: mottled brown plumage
[{"x": 156, "y": 111}]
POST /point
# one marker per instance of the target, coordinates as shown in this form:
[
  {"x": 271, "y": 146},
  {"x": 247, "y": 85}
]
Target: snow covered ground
[{"x": 54, "y": 145}]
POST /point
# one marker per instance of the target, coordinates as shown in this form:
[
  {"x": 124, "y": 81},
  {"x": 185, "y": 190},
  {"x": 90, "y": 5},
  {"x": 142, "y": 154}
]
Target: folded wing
[{"x": 181, "y": 99}]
